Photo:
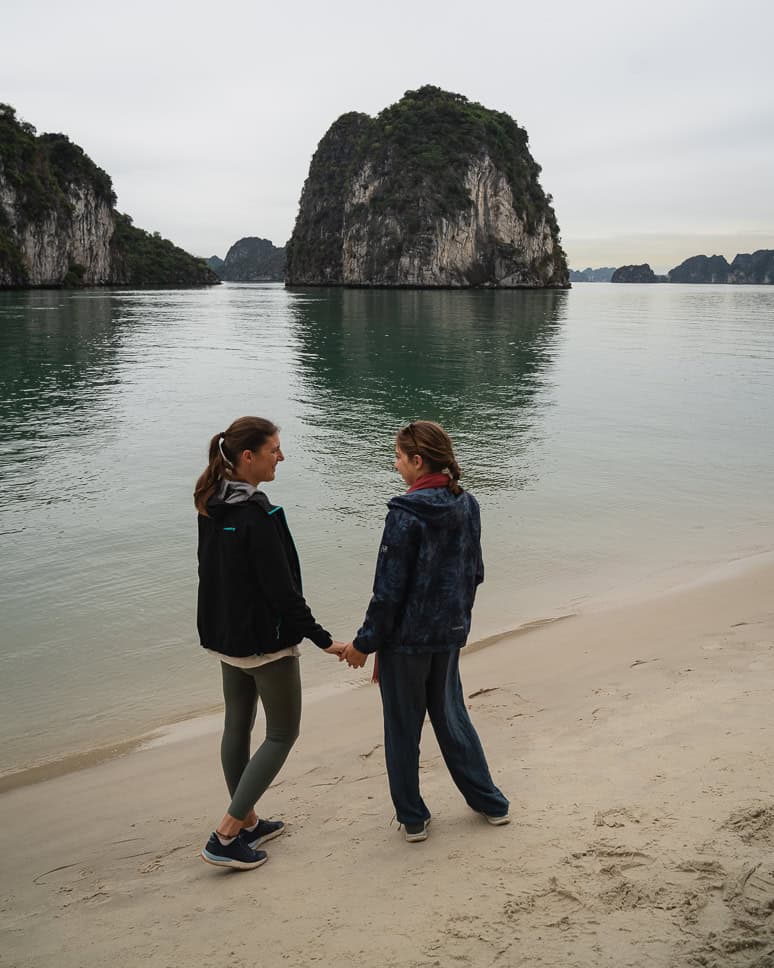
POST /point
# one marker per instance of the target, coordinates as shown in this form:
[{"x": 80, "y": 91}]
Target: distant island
[
  {"x": 251, "y": 260},
  {"x": 435, "y": 191},
  {"x": 216, "y": 264},
  {"x": 641, "y": 273},
  {"x": 59, "y": 225},
  {"x": 755, "y": 269},
  {"x": 605, "y": 274}
]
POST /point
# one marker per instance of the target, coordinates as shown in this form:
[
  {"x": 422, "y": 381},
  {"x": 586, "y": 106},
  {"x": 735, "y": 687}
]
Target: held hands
[
  {"x": 347, "y": 651},
  {"x": 355, "y": 659}
]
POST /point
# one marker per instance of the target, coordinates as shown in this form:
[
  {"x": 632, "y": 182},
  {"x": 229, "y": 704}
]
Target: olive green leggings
[{"x": 278, "y": 686}]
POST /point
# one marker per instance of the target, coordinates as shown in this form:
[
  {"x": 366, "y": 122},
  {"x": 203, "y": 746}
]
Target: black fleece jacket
[{"x": 250, "y": 598}]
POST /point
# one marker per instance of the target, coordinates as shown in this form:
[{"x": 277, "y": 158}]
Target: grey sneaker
[
  {"x": 498, "y": 821},
  {"x": 416, "y": 831}
]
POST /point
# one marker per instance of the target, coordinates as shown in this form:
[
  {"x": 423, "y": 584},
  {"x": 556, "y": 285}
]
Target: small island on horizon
[
  {"x": 251, "y": 259},
  {"x": 751, "y": 269}
]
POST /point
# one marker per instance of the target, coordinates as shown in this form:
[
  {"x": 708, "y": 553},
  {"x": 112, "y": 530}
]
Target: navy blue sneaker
[
  {"x": 237, "y": 854},
  {"x": 266, "y": 830}
]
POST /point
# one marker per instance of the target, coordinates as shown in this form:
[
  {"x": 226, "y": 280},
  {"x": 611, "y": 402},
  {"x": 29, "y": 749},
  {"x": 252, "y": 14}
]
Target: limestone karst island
[
  {"x": 59, "y": 225},
  {"x": 435, "y": 191}
]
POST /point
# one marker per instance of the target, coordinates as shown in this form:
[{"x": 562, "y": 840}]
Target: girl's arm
[{"x": 394, "y": 573}]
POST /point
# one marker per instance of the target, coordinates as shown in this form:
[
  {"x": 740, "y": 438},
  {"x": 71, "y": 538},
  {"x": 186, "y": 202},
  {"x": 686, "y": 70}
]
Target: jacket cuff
[
  {"x": 322, "y": 639},
  {"x": 363, "y": 646}
]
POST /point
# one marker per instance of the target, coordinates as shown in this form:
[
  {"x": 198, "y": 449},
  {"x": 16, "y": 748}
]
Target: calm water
[{"x": 616, "y": 436}]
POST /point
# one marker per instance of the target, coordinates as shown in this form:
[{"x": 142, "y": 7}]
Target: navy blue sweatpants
[{"x": 412, "y": 685}]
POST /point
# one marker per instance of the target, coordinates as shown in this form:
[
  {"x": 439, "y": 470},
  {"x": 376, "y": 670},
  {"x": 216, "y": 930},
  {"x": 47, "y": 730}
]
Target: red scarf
[{"x": 429, "y": 480}]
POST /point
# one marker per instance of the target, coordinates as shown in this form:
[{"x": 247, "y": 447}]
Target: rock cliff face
[
  {"x": 78, "y": 233},
  {"x": 58, "y": 224},
  {"x": 434, "y": 192},
  {"x": 254, "y": 260}
]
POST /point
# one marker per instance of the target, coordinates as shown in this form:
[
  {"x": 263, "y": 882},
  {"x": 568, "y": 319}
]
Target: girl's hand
[{"x": 354, "y": 658}]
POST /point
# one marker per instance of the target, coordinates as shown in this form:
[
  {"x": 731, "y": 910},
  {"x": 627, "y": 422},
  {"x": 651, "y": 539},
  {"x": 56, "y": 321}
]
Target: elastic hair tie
[{"x": 220, "y": 448}]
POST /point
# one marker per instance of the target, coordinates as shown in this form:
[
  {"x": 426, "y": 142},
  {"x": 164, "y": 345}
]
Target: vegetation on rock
[
  {"x": 146, "y": 260},
  {"x": 41, "y": 169},
  {"x": 422, "y": 148}
]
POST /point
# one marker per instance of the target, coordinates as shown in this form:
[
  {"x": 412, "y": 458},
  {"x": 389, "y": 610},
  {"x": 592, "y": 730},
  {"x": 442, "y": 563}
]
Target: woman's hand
[
  {"x": 336, "y": 648},
  {"x": 355, "y": 659}
]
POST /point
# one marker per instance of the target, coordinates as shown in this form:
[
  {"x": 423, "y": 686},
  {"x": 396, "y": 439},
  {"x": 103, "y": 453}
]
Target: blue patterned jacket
[{"x": 427, "y": 572}]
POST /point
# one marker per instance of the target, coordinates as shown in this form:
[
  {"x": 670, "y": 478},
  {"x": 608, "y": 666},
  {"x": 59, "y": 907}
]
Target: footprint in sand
[
  {"x": 746, "y": 939},
  {"x": 554, "y": 907},
  {"x": 605, "y": 851},
  {"x": 615, "y": 817},
  {"x": 757, "y": 889},
  {"x": 754, "y": 824}
]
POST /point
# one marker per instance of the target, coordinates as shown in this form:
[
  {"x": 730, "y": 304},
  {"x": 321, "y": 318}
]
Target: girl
[
  {"x": 251, "y": 615},
  {"x": 427, "y": 572}
]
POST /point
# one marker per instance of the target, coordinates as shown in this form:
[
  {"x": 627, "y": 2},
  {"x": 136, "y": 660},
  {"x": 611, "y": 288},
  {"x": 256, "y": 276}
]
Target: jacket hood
[
  {"x": 235, "y": 492},
  {"x": 434, "y": 505}
]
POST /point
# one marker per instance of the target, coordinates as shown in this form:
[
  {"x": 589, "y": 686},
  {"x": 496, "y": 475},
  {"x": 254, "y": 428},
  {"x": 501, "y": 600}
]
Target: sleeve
[
  {"x": 276, "y": 580},
  {"x": 479, "y": 574},
  {"x": 394, "y": 572}
]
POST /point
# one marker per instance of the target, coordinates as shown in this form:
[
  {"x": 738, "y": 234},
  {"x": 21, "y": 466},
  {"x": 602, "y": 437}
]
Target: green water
[{"x": 617, "y": 437}]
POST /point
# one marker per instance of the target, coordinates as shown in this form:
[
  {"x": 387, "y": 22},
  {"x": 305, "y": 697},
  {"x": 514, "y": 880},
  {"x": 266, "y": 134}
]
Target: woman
[
  {"x": 427, "y": 572},
  {"x": 251, "y": 615}
]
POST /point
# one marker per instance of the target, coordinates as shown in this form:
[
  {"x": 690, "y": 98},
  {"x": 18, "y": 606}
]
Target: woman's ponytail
[{"x": 453, "y": 470}]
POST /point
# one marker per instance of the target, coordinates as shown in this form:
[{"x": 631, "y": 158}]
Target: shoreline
[{"x": 673, "y": 582}]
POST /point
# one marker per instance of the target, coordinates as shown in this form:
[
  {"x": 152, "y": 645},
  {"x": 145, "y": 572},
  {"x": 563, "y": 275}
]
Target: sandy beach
[{"x": 635, "y": 743}]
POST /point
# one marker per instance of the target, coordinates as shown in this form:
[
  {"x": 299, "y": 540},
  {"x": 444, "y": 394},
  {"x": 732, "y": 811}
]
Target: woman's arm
[{"x": 279, "y": 587}]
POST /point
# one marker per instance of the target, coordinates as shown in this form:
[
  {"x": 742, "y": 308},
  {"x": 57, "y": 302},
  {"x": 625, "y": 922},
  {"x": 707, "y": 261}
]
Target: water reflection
[
  {"x": 477, "y": 362},
  {"x": 57, "y": 351}
]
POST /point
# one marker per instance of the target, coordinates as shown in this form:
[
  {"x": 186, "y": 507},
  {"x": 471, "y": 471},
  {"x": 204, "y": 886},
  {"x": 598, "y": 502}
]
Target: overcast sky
[{"x": 654, "y": 123}]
